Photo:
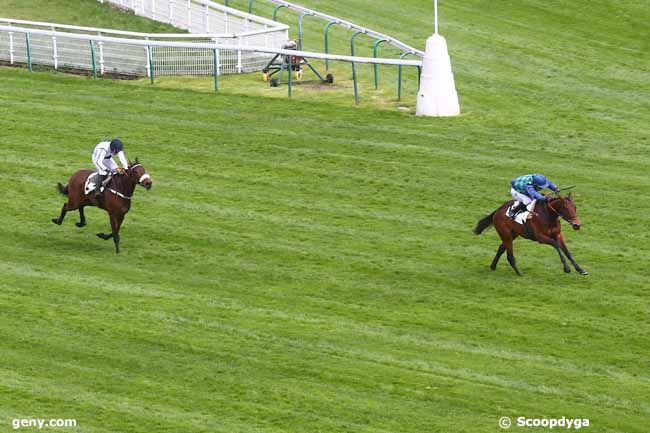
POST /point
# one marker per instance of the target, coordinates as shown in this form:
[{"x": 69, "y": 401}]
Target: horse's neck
[
  {"x": 552, "y": 209},
  {"x": 124, "y": 184}
]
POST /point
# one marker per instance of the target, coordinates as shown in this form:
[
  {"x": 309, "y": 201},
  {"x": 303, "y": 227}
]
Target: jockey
[
  {"x": 103, "y": 160},
  {"x": 525, "y": 190}
]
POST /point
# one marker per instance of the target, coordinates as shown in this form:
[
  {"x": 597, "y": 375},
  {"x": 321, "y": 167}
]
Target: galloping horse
[
  {"x": 116, "y": 199},
  {"x": 544, "y": 227}
]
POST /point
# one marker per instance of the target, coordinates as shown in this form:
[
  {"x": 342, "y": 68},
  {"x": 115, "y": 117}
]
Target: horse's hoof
[
  {"x": 80, "y": 225},
  {"x": 103, "y": 236},
  {"x": 494, "y": 268},
  {"x": 567, "y": 270},
  {"x": 583, "y": 272},
  {"x": 56, "y": 221}
]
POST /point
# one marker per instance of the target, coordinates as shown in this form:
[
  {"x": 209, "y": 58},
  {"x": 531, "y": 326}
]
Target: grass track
[{"x": 317, "y": 272}]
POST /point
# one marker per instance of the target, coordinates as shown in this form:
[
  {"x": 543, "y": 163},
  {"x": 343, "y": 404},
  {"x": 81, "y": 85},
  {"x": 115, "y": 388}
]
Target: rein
[
  {"x": 548, "y": 203},
  {"x": 127, "y": 197}
]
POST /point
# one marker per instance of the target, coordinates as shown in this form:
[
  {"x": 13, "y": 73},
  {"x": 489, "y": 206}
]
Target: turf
[{"x": 303, "y": 267}]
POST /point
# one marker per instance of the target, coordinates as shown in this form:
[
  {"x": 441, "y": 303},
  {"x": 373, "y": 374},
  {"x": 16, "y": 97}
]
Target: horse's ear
[{"x": 570, "y": 196}]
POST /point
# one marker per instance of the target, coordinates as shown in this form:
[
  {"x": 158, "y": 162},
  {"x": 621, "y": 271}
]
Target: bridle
[
  {"x": 143, "y": 177},
  {"x": 548, "y": 203}
]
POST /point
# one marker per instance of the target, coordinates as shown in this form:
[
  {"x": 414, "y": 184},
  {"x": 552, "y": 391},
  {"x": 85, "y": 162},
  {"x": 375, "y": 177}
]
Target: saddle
[
  {"x": 524, "y": 218},
  {"x": 521, "y": 217},
  {"x": 91, "y": 182}
]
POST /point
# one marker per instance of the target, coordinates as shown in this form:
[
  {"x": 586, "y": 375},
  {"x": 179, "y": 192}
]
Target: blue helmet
[{"x": 116, "y": 145}]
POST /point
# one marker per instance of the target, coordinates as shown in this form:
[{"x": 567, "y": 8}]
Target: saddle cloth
[
  {"x": 521, "y": 217},
  {"x": 91, "y": 182}
]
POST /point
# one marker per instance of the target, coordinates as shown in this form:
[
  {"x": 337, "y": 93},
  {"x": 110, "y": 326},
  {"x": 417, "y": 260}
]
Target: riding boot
[
  {"x": 98, "y": 186},
  {"x": 520, "y": 208}
]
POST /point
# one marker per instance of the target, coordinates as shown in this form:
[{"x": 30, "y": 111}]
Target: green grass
[{"x": 304, "y": 267}]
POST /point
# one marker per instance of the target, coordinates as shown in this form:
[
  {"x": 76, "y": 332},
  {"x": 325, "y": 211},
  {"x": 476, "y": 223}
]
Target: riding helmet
[{"x": 116, "y": 145}]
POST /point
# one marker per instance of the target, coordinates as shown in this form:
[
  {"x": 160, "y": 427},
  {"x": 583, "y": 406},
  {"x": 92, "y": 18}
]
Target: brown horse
[
  {"x": 544, "y": 227},
  {"x": 116, "y": 199}
]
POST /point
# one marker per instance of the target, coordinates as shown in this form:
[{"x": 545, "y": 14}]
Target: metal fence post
[
  {"x": 290, "y": 74},
  {"x": 150, "y": 60},
  {"x": 275, "y": 11},
  {"x": 92, "y": 57},
  {"x": 326, "y": 31},
  {"x": 55, "y": 54},
  {"x": 375, "y": 48},
  {"x": 29, "y": 52},
  {"x": 239, "y": 63},
  {"x": 300, "y": 18},
  {"x": 399, "y": 77},
  {"x": 101, "y": 56},
  {"x": 354, "y": 67},
  {"x": 11, "y": 48},
  {"x": 215, "y": 59}
]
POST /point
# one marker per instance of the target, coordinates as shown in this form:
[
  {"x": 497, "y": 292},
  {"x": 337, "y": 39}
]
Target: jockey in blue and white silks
[
  {"x": 103, "y": 160},
  {"x": 525, "y": 190}
]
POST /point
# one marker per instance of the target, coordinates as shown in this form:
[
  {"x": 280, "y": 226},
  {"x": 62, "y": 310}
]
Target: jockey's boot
[
  {"x": 98, "y": 186},
  {"x": 520, "y": 208}
]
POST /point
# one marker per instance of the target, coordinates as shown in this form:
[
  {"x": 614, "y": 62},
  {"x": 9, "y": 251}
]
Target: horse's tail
[
  {"x": 484, "y": 223},
  {"x": 63, "y": 189}
]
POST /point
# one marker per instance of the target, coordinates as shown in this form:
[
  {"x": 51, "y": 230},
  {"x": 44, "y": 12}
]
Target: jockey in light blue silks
[
  {"x": 525, "y": 190},
  {"x": 103, "y": 160}
]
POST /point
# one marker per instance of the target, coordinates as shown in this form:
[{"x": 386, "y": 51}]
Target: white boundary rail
[
  {"x": 23, "y": 32},
  {"x": 351, "y": 26},
  {"x": 61, "y": 51},
  {"x": 199, "y": 16}
]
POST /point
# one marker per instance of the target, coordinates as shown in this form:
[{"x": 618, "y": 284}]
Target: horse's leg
[
  {"x": 116, "y": 222},
  {"x": 567, "y": 269},
  {"x": 64, "y": 210},
  {"x": 507, "y": 235},
  {"x": 511, "y": 256},
  {"x": 82, "y": 217},
  {"x": 109, "y": 235},
  {"x": 569, "y": 256},
  {"x": 498, "y": 255},
  {"x": 555, "y": 244}
]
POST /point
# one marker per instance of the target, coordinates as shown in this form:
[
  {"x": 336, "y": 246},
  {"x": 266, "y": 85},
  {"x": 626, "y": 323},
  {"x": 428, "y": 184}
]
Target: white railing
[
  {"x": 64, "y": 50},
  {"x": 213, "y": 22},
  {"x": 350, "y": 26},
  {"x": 199, "y": 16},
  {"x": 137, "y": 51}
]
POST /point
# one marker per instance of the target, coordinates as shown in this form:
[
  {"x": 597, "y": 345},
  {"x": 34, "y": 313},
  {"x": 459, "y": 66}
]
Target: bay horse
[
  {"x": 116, "y": 199},
  {"x": 544, "y": 227}
]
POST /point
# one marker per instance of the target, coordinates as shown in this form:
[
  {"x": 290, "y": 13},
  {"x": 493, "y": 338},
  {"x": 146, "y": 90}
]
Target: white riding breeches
[
  {"x": 523, "y": 198},
  {"x": 520, "y": 197}
]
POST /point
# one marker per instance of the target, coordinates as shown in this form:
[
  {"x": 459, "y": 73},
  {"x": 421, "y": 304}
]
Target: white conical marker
[{"x": 437, "y": 95}]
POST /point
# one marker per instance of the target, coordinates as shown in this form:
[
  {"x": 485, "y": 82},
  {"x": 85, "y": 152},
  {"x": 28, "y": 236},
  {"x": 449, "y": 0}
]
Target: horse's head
[
  {"x": 139, "y": 174},
  {"x": 566, "y": 208}
]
